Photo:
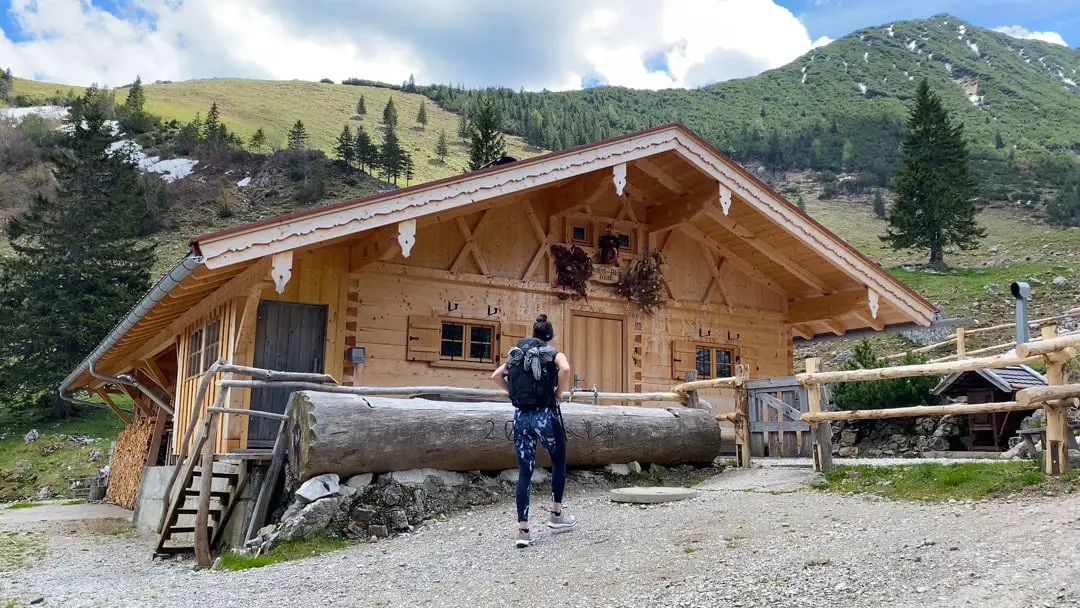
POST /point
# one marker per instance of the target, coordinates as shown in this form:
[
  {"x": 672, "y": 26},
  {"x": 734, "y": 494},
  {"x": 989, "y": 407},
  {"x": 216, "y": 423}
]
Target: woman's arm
[
  {"x": 499, "y": 377},
  {"x": 564, "y": 374}
]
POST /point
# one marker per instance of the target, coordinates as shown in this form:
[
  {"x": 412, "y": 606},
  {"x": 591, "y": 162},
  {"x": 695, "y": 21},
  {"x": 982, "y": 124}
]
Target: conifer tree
[
  {"x": 7, "y": 83},
  {"x": 935, "y": 192},
  {"x": 346, "y": 146},
  {"x": 391, "y": 157},
  {"x": 409, "y": 169},
  {"x": 212, "y": 127},
  {"x": 485, "y": 138},
  {"x": 441, "y": 147},
  {"x": 879, "y": 203},
  {"x": 421, "y": 116},
  {"x": 389, "y": 115},
  {"x": 361, "y": 107},
  {"x": 463, "y": 127},
  {"x": 367, "y": 153},
  {"x": 258, "y": 140},
  {"x": 298, "y": 136},
  {"x": 78, "y": 264},
  {"x": 136, "y": 99}
]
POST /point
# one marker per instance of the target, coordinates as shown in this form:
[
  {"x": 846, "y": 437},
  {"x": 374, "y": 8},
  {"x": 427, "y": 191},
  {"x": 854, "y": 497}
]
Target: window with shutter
[
  {"x": 683, "y": 359},
  {"x": 511, "y": 334},
  {"x": 425, "y": 338}
]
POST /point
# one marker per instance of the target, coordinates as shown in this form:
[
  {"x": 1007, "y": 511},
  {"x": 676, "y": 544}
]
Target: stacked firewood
[{"x": 128, "y": 460}]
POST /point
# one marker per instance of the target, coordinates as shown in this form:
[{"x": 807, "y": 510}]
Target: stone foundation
[{"x": 899, "y": 437}]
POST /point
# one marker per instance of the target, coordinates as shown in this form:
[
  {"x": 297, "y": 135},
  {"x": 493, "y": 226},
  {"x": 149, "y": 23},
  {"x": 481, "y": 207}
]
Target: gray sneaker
[
  {"x": 523, "y": 539},
  {"x": 562, "y": 521}
]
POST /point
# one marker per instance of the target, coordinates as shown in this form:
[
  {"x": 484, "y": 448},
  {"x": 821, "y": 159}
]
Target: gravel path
[{"x": 752, "y": 538}]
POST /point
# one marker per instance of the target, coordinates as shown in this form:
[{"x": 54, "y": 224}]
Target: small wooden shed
[{"x": 991, "y": 431}]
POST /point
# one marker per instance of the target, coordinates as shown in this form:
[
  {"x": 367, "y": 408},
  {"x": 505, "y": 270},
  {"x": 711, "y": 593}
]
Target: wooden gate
[{"x": 775, "y": 428}]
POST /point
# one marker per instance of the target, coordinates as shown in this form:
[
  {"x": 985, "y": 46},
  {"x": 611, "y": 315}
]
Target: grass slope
[
  {"x": 940, "y": 482},
  {"x": 274, "y": 106}
]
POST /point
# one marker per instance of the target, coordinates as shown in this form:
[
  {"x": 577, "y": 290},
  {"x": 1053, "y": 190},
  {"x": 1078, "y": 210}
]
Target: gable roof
[
  {"x": 1006, "y": 379},
  {"x": 218, "y": 256}
]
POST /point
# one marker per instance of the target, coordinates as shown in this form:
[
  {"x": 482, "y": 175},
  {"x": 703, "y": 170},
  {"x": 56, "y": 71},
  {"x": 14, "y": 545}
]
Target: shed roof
[{"x": 1006, "y": 379}]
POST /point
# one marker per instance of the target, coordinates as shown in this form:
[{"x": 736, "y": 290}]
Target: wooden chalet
[{"x": 430, "y": 284}]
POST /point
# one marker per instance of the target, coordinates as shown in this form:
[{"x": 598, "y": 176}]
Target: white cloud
[
  {"x": 822, "y": 41},
  {"x": 1017, "y": 31},
  {"x": 554, "y": 44}
]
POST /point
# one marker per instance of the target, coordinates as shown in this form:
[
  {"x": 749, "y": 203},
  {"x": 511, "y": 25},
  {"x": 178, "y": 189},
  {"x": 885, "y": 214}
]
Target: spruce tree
[
  {"x": 367, "y": 153},
  {"x": 361, "y": 107},
  {"x": 391, "y": 157},
  {"x": 389, "y": 115},
  {"x": 346, "y": 146},
  {"x": 879, "y": 203},
  {"x": 441, "y": 147},
  {"x": 212, "y": 127},
  {"x": 409, "y": 169},
  {"x": 421, "y": 116},
  {"x": 78, "y": 264},
  {"x": 7, "y": 83},
  {"x": 935, "y": 192},
  {"x": 258, "y": 140},
  {"x": 463, "y": 127},
  {"x": 298, "y": 136},
  {"x": 136, "y": 99},
  {"x": 486, "y": 139}
]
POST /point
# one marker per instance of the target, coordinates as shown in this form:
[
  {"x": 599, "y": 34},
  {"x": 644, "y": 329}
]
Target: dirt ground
[{"x": 751, "y": 538}]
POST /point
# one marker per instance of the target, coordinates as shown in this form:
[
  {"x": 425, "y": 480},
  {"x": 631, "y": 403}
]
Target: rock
[
  {"x": 398, "y": 519},
  {"x": 849, "y": 437},
  {"x": 32, "y": 436},
  {"x": 845, "y": 354},
  {"x": 312, "y": 520},
  {"x": 619, "y": 470},
  {"x": 1060, "y": 281},
  {"x": 266, "y": 530},
  {"x": 345, "y": 490},
  {"x": 217, "y": 565},
  {"x": 94, "y": 456},
  {"x": 37, "y": 600},
  {"x": 362, "y": 514},
  {"x": 994, "y": 249},
  {"x": 539, "y": 475},
  {"x": 848, "y": 452},
  {"x": 392, "y": 495},
  {"x": 657, "y": 469},
  {"x": 44, "y": 492},
  {"x": 818, "y": 560},
  {"x": 379, "y": 531},
  {"x": 634, "y": 466},
  {"x": 360, "y": 481},
  {"x": 416, "y": 477},
  {"x": 318, "y": 487}
]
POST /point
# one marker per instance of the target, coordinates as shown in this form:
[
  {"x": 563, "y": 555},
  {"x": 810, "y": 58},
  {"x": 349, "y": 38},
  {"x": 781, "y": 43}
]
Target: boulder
[
  {"x": 379, "y": 531},
  {"x": 318, "y": 487},
  {"x": 32, "y": 436},
  {"x": 1060, "y": 281},
  {"x": 634, "y": 466},
  {"x": 314, "y": 519},
  {"x": 44, "y": 492},
  {"x": 619, "y": 470},
  {"x": 848, "y": 451},
  {"x": 849, "y": 437},
  {"x": 360, "y": 481},
  {"x": 540, "y": 475},
  {"x": 415, "y": 478},
  {"x": 398, "y": 519}
]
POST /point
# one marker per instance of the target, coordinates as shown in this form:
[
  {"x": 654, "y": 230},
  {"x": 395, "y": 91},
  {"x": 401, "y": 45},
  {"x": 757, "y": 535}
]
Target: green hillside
[
  {"x": 840, "y": 107},
  {"x": 274, "y": 106}
]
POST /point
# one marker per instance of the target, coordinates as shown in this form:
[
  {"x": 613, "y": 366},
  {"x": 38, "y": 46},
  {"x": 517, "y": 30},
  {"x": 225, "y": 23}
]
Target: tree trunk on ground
[{"x": 348, "y": 435}]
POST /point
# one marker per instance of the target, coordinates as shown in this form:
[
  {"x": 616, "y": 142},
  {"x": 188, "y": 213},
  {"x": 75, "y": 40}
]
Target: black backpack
[{"x": 526, "y": 392}]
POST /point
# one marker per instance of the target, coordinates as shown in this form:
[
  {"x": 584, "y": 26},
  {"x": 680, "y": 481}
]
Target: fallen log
[{"x": 349, "y": 435}]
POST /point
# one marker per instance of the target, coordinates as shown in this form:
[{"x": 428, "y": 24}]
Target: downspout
[
  {"x": 132, "y": 382},
  {"x": 157, "y": 293},
  {"x": 65, "y": 397}
]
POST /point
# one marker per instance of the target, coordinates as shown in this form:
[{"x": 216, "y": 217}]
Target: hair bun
[{"x": 541, "y": 319}]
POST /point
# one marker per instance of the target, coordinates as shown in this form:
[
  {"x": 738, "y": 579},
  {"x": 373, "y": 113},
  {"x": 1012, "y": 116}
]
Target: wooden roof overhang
[{"x": 687, "y": 188}]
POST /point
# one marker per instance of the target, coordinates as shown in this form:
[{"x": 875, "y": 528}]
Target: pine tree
[
  {"x": 389, "y": 115},
  {"x": 258, "y": 140},
  {"x": 441, "y": 147},
  {"x": 136, "y": 99},
  {"x": 800, "y": 203},
  {"x": 212, "y": 127},
  {"x": 361, "y": 107},
  {"x": 298, "y": 136},
  {"x": 998, "y": 142},
  {"x": 346, "y": 146},
  {"x": 879, "y": 204},
  {"x": 7, "y": 83},
  {"x": 486, "y": 139},
  {"x": 391, "y": 157},
  {"x": 935, "y": 192},
  {"x": 409, "y": 169},
  {"x": 78, "y": 264},
  {"x": 463, "y": 127},
  {"x": 421, "y": 116},
  {"x": 367, "y": 153}
]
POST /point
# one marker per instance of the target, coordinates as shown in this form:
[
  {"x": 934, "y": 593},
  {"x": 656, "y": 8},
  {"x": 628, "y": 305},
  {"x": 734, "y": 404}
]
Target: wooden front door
[
  {"x": 597, "y": 353},
  {"x": 289, "y": 337}
]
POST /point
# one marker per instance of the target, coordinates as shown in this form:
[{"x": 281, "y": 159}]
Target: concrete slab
[
  {"x": 649, "y": 496},
  {"x": 51, "y": 512}
]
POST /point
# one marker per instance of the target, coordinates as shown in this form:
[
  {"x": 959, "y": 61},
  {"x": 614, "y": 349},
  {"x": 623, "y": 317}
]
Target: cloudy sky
[{"x": 555, "y": 44}]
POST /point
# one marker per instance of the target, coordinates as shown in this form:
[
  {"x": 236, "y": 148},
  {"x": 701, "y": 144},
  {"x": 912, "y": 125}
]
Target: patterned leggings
[{"x": 543, "y": 425}]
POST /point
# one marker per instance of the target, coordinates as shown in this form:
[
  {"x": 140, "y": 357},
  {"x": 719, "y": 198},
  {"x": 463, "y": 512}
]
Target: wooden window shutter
[
  {"x": 511, "y": 333},
  {"x": 425, "y": 338},
  {"x": 683, "y": 359}
]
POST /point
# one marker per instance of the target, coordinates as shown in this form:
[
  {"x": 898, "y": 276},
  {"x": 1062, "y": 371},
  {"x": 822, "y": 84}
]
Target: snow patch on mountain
[{"x": 170, "y": 169}]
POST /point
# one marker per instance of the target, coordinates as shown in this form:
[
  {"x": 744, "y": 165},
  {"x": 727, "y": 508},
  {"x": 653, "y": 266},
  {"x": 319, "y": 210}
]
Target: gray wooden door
[{"x": 289, "y": 337}]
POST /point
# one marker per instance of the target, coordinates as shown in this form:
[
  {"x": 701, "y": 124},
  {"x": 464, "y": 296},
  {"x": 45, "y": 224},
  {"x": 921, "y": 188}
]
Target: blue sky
[{"x": 555, "y": 44}]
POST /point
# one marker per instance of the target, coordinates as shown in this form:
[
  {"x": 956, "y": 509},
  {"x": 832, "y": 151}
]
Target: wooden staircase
[{"x": 178, "y": 532}]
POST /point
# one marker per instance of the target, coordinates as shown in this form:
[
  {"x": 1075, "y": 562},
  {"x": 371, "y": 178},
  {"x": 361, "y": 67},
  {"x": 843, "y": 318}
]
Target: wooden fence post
[
  {"x": 821, "y": 432},
  {"x": 692, "y": 400},
  {"x": 961, "y": 346},
  {"x": 742, "y": 416},
  {"x": 1056, "y": 450}
]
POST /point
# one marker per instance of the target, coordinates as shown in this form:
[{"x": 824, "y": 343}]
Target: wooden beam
[
  {"x": 682, "y": 211},
  {"x": 656, "y": 172},
  {"x": 545, "y": 240},
  {"x": 864, "y": 316},
  {"x": 717, "y": 282},
  {"x": 580, "y": 193},
  {"x": 821, "y": 434},
  {"x": 112, "y": 405},
  {"x": 663, "y": 252},
  {"x": 911, "y": 371},
  {"x": 835, "y": 326},
  {"x": 803, "y": 332},
  {"x": 914, "y": 412},
  {"x": 255, "y": 273},
  {"x": 1037, "y": 395},
  {"x": 151, "y": 369},
  {"x": 739, "y": 263},
  {"x": 809, "y": 310},
  {"x": 470, "y": 245},
  {"x": 1047, "y": 345},
  {"x": 797, "y": 270}
]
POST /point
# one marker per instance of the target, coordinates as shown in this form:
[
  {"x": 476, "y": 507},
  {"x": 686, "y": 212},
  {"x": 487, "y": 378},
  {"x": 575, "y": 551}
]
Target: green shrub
[{"x": 882, "y": 394}]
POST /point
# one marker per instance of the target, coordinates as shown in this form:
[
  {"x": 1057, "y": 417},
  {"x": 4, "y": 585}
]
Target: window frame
[
  {"x": 199, "y": 343},
  {"x": 713, "y": 349},
  {"x": 468, "y": 325}
]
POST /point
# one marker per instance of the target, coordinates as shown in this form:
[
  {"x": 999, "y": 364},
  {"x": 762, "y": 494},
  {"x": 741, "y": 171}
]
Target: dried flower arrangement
[
  {"x": 643, "y": 283},
  {"x": 573, "y": 269}
]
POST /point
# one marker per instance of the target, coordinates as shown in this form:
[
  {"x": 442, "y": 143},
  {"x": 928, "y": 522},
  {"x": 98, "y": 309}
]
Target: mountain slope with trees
[{"x": 840, "y": 108}]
